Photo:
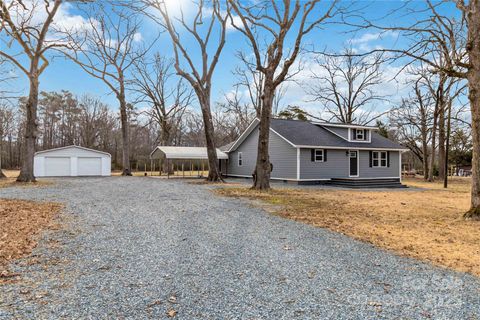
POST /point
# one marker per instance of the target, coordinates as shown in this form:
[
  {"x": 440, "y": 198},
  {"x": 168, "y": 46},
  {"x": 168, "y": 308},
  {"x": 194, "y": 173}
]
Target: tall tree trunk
[
  {"x": 447, "y": 142},
  {"x": 441, "y": 141},
  {"x": 10, "y": 151},
  {"x": 125, "y": 136},
  {"x": 26, "y": 172},
  {"x": 165, "y": 141},
  {"x": 473, "y": 49},
  {"x": 432, "y": 155},
  {"x": 425, "y": 158},
  {"x": 2, "y": 175},
  {"x": 213, "y": 172},
  {"x": 263, "y": 166}
]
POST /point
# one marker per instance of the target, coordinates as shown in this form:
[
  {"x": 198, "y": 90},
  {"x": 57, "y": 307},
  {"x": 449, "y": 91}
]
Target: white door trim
[{"x": 358, "y": 164}]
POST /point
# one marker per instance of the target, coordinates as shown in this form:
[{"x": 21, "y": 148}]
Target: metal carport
[{"x": 176, "y": 156}]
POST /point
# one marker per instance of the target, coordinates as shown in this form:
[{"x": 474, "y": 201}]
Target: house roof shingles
[{"x": 304, "y": 133}]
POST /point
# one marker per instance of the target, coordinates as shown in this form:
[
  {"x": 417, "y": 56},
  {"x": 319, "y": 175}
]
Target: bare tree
[
  {"x": 269, "y": 22},
  {"x": 6, "y": 122},
  {"x": 106, "y": 50},
  {"x": 7, "y": 94},
  {"x": 346, "y": 86},
  {"x": 449, "y": 43},
  {"x": 437, "y": 89},
  {"x": 250, "y": 79},
  {"x": 167, "y": 98},
  {"x": 238, "y": 110},
  {"x": 94, "y": 119},
  {"x": 413, "y": 120},
  {"x": 19, "y": 25},
  {"x": 206, "y": 21},
  {"x": 454, "y": 89}
]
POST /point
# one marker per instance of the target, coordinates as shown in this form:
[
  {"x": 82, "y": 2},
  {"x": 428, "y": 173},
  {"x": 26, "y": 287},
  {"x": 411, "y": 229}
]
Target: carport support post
[
  {"x": 183, "y": 171},
  {"x": 198, "y": 168},
  {"x": 168, "y": 169}
]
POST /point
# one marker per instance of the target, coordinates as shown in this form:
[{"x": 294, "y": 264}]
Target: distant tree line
[{"x": 65, "y": 119}]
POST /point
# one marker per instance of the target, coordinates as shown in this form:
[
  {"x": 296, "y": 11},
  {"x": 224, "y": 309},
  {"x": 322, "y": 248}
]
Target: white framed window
[
  {"x": 359, "y": 134},
  {"x": 379, "y": 159},
  {"x": 240, "y": 159},
  {"x": 319, "y": 155}
]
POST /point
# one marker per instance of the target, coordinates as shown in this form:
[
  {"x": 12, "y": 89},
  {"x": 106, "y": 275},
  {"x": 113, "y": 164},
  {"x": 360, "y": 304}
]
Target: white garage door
[
  {"x": 57, "y": 166},
  {"x": 89, "y": 166}
]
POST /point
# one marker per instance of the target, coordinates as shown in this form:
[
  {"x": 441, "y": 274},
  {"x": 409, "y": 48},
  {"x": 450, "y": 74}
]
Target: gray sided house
[{"x": 313, "y": 152}]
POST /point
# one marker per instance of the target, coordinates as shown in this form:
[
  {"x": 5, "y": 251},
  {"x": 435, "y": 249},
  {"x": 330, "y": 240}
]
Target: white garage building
[{"x": 71, "y": 161}]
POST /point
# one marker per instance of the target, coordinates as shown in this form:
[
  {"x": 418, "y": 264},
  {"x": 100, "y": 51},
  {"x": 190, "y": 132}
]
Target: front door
[{"x": 353, "y": 157}]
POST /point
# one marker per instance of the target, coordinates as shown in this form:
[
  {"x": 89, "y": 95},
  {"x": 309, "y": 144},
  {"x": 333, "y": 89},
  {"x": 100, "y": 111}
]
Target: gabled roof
[
  {"x": 343, "y": 125},
  {"x": 305, "y": 134},
  {"x": 244, "y": 135},
  {"x": 187, "y": 153},
  {"x": 72, "y": 147},
  {"x": 226, "y": 147}
]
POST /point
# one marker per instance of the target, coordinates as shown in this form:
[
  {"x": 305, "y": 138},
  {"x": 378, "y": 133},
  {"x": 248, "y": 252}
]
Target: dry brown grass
[
  {"x": 20, "y": 223},
  {"x": 12, "y": 175},
  {"x": 425, "y": 224}
]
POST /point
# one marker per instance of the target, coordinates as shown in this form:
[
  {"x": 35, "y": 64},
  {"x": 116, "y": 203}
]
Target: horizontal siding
[
  {"x": 337, "y": 166},
  {"x": 367, "y": 172},
  {"x": 282, "y": 155}
]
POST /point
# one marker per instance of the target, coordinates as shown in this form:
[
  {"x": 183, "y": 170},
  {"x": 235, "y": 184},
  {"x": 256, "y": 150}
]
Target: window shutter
[
  {"x": 371, "y": 155},
  {"x": 312, "y": 155},
  {"x": 388, "y": 158},
  {"x": 365, "y": 133},
  {"x": 325, "y": 155},
  {"x": 354, "y": 134}
]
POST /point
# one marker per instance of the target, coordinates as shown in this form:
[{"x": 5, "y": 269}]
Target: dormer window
[{"x": 360, "y": 134}]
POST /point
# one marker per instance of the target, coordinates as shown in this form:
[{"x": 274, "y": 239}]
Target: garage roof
[
  {"x": 72, "y": 147},
  {"x": 193, "y": 153}
]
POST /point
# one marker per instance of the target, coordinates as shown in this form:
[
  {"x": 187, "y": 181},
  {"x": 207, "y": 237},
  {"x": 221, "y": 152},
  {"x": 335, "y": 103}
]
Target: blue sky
[{"x": 63, "y": 74}]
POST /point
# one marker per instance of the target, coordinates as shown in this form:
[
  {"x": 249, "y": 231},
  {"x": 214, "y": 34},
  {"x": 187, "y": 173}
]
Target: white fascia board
[
  {"x": 356, "y": 126},
  {"x": 350, "y": 148},
  {"x": 73, "y": 146}
]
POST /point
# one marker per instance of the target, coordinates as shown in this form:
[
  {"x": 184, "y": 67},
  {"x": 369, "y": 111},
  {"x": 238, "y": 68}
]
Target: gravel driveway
[{"x": 135, "y": 248}]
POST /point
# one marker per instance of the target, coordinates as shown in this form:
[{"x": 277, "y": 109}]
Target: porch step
[{"x": 366, "y": 183}]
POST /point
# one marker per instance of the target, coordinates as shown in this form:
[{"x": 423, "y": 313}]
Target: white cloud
[
  {"x": 370, "y": 37},
  {"x": 234, "y": 20},
  {"x": 366, "y": 37},
  {"x": 366, "y": 42},
  {"x": 137, "y": 37}
]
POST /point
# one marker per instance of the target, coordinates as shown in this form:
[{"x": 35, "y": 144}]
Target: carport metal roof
[{"x": 186, "y": 153}]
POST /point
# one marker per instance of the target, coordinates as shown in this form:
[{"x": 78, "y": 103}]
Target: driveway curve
[{"x": 144, "y": 248}]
